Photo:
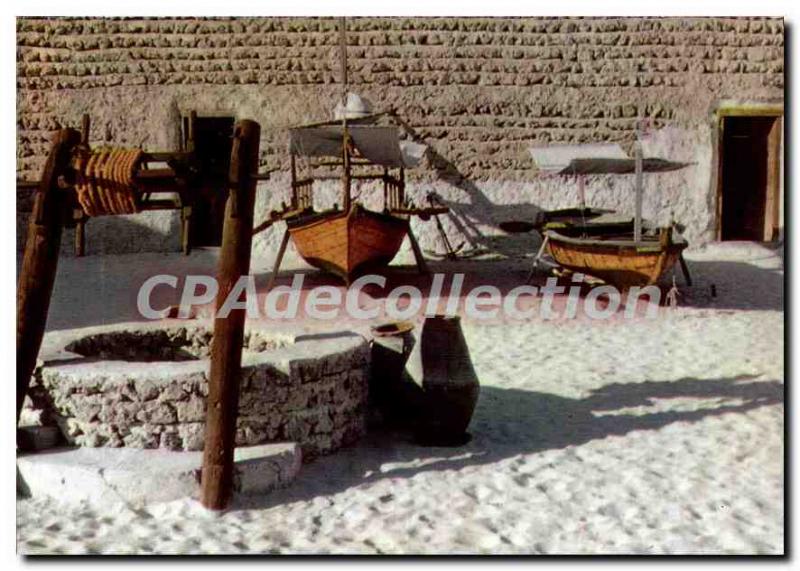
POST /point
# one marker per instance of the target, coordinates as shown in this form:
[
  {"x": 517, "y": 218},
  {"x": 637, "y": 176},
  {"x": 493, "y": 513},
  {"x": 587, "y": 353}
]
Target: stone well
[{"x": 145, "y": 386}]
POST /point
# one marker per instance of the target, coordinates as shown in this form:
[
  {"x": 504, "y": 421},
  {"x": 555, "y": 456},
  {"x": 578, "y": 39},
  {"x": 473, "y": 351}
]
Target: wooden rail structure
[{"x": 55, "y": 203}]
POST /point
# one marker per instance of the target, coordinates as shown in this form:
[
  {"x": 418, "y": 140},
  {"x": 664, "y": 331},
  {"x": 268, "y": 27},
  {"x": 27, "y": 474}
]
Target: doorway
[
  {"x": 750, "y": 178},
  {"x": 212, "y": 140}
]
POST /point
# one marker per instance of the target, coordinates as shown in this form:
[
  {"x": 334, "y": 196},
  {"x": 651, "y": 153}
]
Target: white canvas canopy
[
  {"x": 378, "y": 144},
  {"x": 556, "y": 158}
]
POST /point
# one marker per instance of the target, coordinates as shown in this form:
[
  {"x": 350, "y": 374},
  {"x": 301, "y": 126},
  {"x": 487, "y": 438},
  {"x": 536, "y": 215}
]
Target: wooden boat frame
[{"x": 618, "y": 261}]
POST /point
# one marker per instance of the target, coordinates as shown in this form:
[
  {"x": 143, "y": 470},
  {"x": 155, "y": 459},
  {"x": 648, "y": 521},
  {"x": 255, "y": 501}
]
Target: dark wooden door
[
  {"x": 746, "y": 177},
  {"x": 213, "y": 140}
]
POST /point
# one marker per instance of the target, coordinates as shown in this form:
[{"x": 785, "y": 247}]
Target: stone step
[{"x": 103, "y": 476}]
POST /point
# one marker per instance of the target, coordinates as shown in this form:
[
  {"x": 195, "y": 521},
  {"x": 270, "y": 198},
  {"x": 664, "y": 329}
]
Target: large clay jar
[
  {"x": 441, "y": 365},
  {"x": 391, "y": 392}
]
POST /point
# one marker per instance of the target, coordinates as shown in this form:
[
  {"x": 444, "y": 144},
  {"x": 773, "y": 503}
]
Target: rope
[{"x": 105, "y": 181}]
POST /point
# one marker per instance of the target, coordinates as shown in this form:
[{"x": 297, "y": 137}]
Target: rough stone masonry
[
  {"x": 478, "y": 91},
  {"x": 142, "y": 385}
]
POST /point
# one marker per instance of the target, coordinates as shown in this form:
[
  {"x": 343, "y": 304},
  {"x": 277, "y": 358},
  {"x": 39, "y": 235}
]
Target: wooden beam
[
  {"x": 422, "y": 266},
  {"x": 773, "y": 182},
  {"x": 186, "y": 218},
  {"x": 226, "y": 350},
  {"x": 40, "y": 261},
  {"x": 80, "y": 232},
  {"x": 277, "y": 267}
]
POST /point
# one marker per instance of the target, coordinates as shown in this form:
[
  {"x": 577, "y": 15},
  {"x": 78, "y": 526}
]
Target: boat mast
[
  {"x": 345, "y": 136},
  {"x": 637, "y": 219}
]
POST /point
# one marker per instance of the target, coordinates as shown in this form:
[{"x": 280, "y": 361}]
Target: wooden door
[
  {"x": 213, "y": 140},
  {"x": 750, "y": 178}
]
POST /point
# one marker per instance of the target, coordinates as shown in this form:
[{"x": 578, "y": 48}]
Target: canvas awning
[
  {"x": 601, "y": 158},
  {"x": 555, "y": 158},
  {"x": 378, "y": 144},
  {"x": 619, "y": 166}
]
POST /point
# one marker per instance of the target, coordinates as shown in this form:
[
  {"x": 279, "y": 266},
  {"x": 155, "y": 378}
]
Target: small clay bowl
[{"x": 391, "y": 328}]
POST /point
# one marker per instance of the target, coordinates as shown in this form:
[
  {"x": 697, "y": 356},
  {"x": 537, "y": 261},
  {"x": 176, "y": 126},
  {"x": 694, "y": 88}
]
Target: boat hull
[
  {"x": 620, "y": 263},
  {"x": 348, "y": 244}
]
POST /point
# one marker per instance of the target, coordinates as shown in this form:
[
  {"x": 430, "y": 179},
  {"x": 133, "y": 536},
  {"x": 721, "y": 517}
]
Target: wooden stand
[
  {"x": 226, "y": 351},
  {"x": 422, "y": 266},
  {"x": 40, "y": 261},
  {"x": 277, "y": 267}
]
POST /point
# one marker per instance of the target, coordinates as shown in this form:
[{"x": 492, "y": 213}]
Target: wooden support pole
[
  {"x": 80, "y": 233},
  {"x": 685, "y": 269},
  {"x": 637, "y": 218},
  {"x": 346, "y": 179},
  {"x": 226, "y": 350},
  {"x": 186, "y": 217},
  {"x": 293, "y": 165},
  {"x": 191, "y": 132},
  {"x": 277, "y": 267},
  {"x": 86, "y": 124},
  {"x": 80, "y": 216},
  {"x": 422, "y": 266},
  {"x": 40, "y": 261}
]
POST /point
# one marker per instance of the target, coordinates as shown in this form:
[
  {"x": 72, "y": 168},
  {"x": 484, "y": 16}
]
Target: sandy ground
[{"x": 626, "y": 436}]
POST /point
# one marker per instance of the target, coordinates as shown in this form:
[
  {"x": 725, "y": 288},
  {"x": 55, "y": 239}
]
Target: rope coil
[{"x": 105, "y": 180}]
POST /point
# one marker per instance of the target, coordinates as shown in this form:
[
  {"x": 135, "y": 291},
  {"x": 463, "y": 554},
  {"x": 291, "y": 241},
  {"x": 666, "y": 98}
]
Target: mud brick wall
[{"x": 479, "y": 91}]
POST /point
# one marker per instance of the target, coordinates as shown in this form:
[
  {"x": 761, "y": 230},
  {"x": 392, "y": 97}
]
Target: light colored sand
[{"x": 646, "y": 436}]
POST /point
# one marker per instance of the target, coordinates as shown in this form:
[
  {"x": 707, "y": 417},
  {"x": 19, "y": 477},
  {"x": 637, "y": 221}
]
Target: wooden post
[
  {"x": 80, "y": 216},
  {"x": 401, "y": 189},
  {"x": 346, "y": 172},
  {"x": 226, "y": 350},
  {"x": 422, "y": 266},
  {"x": 40, "y": 261},
  {"x": 637, "y": 218},
  {"x": 86, "y": 124},
  {"x": 277, "y": 267},
  {"x": 293, "y": 165},
  {"x": 186, "y": 217},
  {"x": 80, "y": 232},
  {"x": 685, "y": 269},
  {"x": 190, "y": 132}
]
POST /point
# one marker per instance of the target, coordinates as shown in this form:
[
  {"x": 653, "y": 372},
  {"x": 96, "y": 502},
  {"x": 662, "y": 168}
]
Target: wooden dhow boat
[
  {"x": 351, "y": 239},
  {"x": 621, "y": 251}
]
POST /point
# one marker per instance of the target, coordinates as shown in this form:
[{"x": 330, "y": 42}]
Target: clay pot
[
  {"x": 441, "y": 366},
  {"x": 391, "y": 393}
]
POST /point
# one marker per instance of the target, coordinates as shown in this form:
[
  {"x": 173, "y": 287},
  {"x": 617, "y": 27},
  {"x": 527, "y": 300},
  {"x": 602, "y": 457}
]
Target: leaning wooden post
[
  {"x": 226, "y": 350},
  {"x": 40, "y": 261},
  {"x": 79, "y": 215}
]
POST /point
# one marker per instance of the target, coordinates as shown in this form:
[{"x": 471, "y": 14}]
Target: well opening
[{"x": 176, "y": 344}]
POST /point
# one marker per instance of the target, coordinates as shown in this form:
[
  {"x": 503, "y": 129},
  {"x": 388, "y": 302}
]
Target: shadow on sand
[
  {"x": 510, "y": 422},
  {"x": 736, "y": 285}
]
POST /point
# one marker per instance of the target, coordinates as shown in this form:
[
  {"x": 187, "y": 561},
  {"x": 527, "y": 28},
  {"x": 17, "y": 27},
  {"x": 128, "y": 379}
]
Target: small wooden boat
[
  {"x": 623, "y": 251},
  {"x": 617, "y": 259},
  {"x": 350, "y": 240},
  {"x": 347, "y": 244}
]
